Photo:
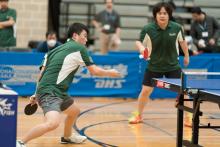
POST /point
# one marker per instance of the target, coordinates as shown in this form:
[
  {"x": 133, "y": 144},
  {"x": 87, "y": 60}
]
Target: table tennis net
[{"x": 201, "y": 80}]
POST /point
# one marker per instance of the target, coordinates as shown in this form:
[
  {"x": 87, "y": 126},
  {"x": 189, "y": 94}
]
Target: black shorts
[{"x": 149, "y": 75}]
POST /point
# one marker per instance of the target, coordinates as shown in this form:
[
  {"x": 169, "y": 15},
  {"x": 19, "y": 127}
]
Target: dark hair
[
  {"x": 172, "y": 4},
  {"x": 196, "y": 10},
  {"x": 158, "y": 7},
  {"x": 50, "y": 33},
  {"x": 76, "y": 28}
]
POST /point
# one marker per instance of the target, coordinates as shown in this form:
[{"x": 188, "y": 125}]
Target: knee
[
  {"x": 73, "y": 111},
  {"x": 52, "y": 125},
  {"x": 146, "y": 92},
  {"x": 77, "y": 111}
]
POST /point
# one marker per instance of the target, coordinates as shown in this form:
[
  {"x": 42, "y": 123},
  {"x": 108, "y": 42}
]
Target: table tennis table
[{"x": 207, "y": 91}]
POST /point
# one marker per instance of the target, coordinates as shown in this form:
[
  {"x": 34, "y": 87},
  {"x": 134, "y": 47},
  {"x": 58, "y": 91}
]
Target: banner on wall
[
  {"x": 22, "y": 77},
  {"x": 20, "y": 71}
]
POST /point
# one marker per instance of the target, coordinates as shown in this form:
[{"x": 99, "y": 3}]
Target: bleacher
[
  {"x": 134, "y": 15},
  {"x": 210, "y": 7},
  {"x": 131, "y": 19}
]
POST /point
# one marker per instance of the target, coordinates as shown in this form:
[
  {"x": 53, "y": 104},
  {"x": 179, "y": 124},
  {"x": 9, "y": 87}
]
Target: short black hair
[
  {"x": 196, "y": 10},
  {"x": 158, "y": 7},
  {"x": 50, "y": 33},
  {"x": 76, "y": 28}
]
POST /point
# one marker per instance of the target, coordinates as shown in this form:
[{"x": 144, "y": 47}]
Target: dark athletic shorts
[{"x": 149, "y": 75}]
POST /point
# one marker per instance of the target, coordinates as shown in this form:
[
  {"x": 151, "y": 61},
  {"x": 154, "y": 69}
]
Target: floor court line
[
  {"x": 161, "y": 136},
  {"x": 107, "y": 111}
]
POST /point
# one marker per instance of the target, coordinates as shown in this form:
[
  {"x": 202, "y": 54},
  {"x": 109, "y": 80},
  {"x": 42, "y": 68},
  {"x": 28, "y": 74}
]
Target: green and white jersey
[
  {"x": 61, "y": 64},
  {"x": 163, "y": 46}
]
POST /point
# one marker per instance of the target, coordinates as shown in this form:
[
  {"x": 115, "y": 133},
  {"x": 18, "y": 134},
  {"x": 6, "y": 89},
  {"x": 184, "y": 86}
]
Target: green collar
[
  {"x": 158, "y": 27},
  {"x": 70, "y": 39}
]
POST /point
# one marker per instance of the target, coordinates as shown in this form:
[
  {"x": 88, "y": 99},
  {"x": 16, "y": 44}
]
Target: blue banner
[
  {"x": 20, "y": 71},
  {"x": 127, "y": 86}
]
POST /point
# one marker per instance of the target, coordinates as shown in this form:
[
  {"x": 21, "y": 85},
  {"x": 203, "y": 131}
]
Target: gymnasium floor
[{"x": 104, "y": 122}]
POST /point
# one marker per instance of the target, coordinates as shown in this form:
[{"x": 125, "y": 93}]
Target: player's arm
[
  {"x": 184, "y": 46},
  {"x": 32, "y": 98},
  {"x": 142, "y": 49},
  {"x": 141, "y": 44},
  {"x": 42, "y": 67},
  {"x": 40, "y": 75},
  {"x": 8, "y": 23},
  {"x": 98, "y": 71},
  {"x": 87, "y": 61},
  {"x": 185, "y": 49}
]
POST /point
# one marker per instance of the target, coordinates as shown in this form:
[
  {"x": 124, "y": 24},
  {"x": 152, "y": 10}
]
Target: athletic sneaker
[
  {"x": 20, "y": 144},
  {"x": 135, "y": 118},
  {"x": 75, "y": 138}
]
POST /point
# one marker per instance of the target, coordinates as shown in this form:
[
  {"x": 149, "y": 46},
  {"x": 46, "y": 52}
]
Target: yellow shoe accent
[{"x": 135, "y": 118}]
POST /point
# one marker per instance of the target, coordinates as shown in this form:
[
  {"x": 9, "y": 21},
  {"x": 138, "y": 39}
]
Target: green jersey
[
  {"x": 7, "y": 35},
  {"x": 61, "y": 64},
  {"x": 163, "y": 46}
]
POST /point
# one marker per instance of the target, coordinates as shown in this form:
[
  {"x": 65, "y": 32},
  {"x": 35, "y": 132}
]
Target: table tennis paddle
[
  {"x": 66, "y": 103},
  {"x": 30, "y": 109},
  {"x": 144, "y": 51}
]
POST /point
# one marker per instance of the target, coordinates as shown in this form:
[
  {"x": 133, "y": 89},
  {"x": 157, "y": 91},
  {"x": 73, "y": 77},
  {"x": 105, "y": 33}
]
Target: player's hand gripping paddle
[
  {"x": 66, "y": 104},
  {"x": 144, "y": 51},
  {"x": 30, "y": 109}
]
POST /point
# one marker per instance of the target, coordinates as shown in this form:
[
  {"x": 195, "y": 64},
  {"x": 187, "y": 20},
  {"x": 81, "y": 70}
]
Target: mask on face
[{"x": 51, "y": 43}]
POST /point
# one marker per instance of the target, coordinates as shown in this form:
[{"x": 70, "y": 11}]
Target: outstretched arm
[{"x": 98, "y": 71}]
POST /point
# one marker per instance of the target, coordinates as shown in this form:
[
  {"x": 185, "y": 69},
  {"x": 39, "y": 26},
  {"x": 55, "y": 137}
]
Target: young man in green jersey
[
  {"x": 57, "y": 73},
  {"x": 161, "y": 39},
  {"x": 7, "y": 25}
]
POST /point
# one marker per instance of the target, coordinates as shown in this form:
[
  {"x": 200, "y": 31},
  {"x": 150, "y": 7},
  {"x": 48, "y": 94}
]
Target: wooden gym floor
[{"x": 104, "y": 122}]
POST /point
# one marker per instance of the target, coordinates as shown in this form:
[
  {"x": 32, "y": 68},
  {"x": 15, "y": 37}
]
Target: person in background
[
  {"x": 7, "y": 25},
  {"x": 50, "y": 43},
  {"x": 107, "y": 22},
  {"x": 204, "y": 31},
  {"x": 192, "y": 50}
]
